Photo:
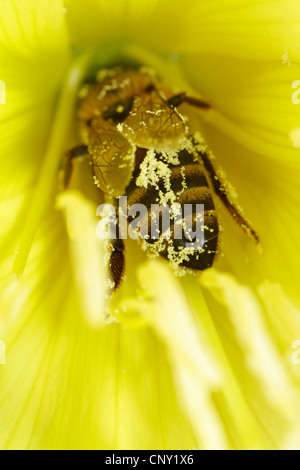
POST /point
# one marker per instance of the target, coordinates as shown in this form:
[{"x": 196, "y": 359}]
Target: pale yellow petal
[
  {"x": 81, "y": 388},
  {"x": 252, "y": 101},
  {"x": 241, "y": 28},
  {"x": 48, "y": 177},
  {"x": 33, "y": 54}
]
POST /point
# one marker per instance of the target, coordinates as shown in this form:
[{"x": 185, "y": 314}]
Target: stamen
[{"x": 241, "y": 413}]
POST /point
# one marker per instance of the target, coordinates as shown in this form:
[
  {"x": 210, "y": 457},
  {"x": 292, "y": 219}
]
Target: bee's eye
[{"x": 118, "y": 111}]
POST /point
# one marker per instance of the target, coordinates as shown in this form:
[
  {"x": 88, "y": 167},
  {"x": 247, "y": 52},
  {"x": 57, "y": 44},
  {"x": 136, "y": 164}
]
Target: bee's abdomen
[{"x": 184, "y": 184}]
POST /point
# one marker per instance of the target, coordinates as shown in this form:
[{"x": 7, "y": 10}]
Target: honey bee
[{"x": 139, "y": 145}]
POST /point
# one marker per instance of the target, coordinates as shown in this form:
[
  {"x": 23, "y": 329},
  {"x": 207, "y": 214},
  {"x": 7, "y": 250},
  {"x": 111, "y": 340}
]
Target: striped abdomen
[{"x": 159, "y": 180}]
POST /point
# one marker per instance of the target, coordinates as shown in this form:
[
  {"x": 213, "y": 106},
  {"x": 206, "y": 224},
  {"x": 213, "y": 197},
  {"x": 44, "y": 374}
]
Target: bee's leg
[
  {"x": 181, "y": 98},
  {"x": 76, "y": 152},
  {"x": 223, "y": 195},
  {"x": 117, "y": 262}
]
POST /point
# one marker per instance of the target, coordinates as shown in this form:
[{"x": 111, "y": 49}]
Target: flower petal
[
  {"x": 240, "y": 28},
  {"x": 33, "y": 51},
  {"x": 254, "y": 97},
  {"x": 69, "y": 386},
  {"x": 32, "y": 56}
]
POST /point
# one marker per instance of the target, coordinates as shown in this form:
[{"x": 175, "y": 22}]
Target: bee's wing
[
  {"x": 152, "y": 123},
  {"x": 113, "y": 158}
]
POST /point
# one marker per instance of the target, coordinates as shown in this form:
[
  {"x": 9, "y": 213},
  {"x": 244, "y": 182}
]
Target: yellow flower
[{"x": 202, "y": 362}]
